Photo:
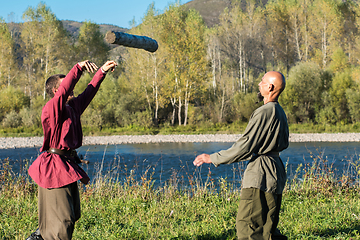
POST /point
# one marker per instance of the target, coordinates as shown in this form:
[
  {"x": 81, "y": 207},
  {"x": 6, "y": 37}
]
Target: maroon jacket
[{"x": 62, "y": 130}]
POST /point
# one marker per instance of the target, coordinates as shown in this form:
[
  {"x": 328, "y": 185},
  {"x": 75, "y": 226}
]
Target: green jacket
[{"x": 266, "y": 134}]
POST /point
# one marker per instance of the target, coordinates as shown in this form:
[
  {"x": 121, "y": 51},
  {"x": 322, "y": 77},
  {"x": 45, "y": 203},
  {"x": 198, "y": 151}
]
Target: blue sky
[{"x": 118, "y": 12}]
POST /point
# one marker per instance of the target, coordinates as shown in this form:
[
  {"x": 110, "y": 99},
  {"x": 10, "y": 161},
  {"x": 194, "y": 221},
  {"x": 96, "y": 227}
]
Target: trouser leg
[
  {"x": 258, "y": 214},
  {"x": 59, "y": 209},
  {"x": 275, "y": 232}
]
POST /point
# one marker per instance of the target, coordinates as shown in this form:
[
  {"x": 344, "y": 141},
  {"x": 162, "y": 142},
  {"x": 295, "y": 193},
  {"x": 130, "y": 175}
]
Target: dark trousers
[
  {"x": 59, "y": 209},
  {"x": 258, "y": 215}
]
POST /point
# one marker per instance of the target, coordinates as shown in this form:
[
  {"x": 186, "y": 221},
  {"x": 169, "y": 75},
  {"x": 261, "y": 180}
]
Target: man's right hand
[
  {"x": 89, "y": 66},
  {"x": 203, "y": 158}
]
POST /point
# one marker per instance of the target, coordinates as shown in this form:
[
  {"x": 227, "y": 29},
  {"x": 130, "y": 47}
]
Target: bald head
[
  {"x": 277, "y": 79},
  {"x": 271, "y": 86}
]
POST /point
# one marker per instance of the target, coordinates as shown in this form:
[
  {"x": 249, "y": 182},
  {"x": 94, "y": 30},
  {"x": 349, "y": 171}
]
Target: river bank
[{"x": 23, "y": 142}]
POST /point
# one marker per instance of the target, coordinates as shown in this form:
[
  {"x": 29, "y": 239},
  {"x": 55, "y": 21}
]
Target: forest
[{"x": 199, "y": 75}]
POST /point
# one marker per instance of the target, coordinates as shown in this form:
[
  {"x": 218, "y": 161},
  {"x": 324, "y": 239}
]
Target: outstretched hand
[
  {"x": 109, "y": 65},
  {"x": 89, "y": 66},
  {"x": 203, "y": 158}
]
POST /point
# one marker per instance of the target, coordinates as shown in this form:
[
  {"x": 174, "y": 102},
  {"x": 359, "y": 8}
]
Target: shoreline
[{"x": 26, "y": 142}]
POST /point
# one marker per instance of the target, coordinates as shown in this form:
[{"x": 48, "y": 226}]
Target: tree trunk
[
  {"x": 179, "y": 111},
  {"x": 306, "y": 39},
  {"x": 223, "y": 86},
  {"x": 324, "y": 48},
  {"x": 187, "y": 100},
  {"x": 173, "y": 103},
  {"x": 186, "y": 112},
  {"x": 297, "y": 38},
  {"x": 222, "y": 105},
  {"x": 155, "y": 83},
  {"x": 156, "y": 120},
  {"x": 240, "y": 66},
  {"x": 147, "y": 95}
]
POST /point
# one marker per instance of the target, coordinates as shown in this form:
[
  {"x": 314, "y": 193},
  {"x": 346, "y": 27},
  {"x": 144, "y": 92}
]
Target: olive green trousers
[
  {"x": 59, "y": 209},
  {"x": 258, "y": 215}
]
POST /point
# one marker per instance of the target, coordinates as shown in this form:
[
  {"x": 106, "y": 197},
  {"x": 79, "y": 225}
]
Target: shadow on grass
[
  {"x": 335, "y": 232},
  {"x": 229, "y": 234}
]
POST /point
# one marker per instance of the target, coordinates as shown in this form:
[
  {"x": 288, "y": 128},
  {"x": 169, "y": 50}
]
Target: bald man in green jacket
[{"x": 266, "y": 135}]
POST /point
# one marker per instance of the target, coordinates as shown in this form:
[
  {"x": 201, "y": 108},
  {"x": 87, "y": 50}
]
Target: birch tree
[
  {"x": 8, "y": 64},
  {"x": 242, "y": 34},
  {"x": 186, "y": 66},
  {"x": 46, "y": 47},
  {"x": 327, "y": 31},
  {"x": 91, "y": 45},
  {"x": 280, "y": 33},
  {"x": 148, "y": 67},
  {"x": 298, "y": 20}
]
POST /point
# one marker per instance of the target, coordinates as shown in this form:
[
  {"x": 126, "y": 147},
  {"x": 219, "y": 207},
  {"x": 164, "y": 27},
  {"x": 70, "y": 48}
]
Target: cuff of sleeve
[
  {"x": 213, "y": 159},
  {"x": 103, "y": 70},
  {"x": 78, "y": 66}
]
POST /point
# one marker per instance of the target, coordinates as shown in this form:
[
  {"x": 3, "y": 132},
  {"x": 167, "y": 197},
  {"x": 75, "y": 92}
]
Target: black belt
[
  {"x": 68, "y": 153},
  {"x": 272, "y": 154}
]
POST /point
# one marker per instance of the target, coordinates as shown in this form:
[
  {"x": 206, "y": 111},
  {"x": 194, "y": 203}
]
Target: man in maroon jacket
[{"x": 56, "y": 170}]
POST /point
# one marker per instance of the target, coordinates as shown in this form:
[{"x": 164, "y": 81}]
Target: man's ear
[
  {"x": 271, "y": 87},
  {"x": 54, "y": 90}
]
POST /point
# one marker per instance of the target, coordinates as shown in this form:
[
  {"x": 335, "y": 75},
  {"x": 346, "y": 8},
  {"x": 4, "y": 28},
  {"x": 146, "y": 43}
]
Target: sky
[{"x": 118, "y": 12}]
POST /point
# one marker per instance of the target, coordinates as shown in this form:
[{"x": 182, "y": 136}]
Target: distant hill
[
  {"x": 74, "y": 27},
  {"x": 210, "y": 10}
]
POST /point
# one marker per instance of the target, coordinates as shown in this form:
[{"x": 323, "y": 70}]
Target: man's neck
[{"x": 270, "y": 100}]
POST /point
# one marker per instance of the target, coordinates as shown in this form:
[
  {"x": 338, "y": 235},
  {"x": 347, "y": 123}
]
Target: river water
[{"x": 172, "y": 162}]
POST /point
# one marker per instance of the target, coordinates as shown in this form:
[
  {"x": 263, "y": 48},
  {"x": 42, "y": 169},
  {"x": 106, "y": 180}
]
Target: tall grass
[{"x": 317, "y": 204}]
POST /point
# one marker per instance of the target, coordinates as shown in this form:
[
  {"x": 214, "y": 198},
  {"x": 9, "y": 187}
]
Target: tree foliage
[
  {"x": 90, "y": 43},
  {"x": 7, "y": 56},
  {"x": 198, "y": 75},
  {"x": 302, "y": 97}
]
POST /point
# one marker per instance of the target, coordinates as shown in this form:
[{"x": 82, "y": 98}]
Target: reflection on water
[{"x": 165, "y": 161}]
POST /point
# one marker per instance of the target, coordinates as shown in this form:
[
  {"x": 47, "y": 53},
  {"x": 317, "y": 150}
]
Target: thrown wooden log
[{"x": 130, "y": 40}]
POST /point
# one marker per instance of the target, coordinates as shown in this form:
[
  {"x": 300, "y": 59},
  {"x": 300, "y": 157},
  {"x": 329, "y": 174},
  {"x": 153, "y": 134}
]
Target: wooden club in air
[{"x": 130, "y": 40}]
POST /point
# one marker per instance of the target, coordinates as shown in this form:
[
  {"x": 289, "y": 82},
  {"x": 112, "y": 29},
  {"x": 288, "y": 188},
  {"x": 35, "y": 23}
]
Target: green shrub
[
  {"x": 92, "y": 118},
  {"x": 30, "y": 117},
  {"x": 12, "y": 99},
  {"x": 302, "y": 95},
  {"x": 326, "y": 115},
  {"x": 12, "y": 120},
  {"x": 353, "y": 99},
  {"x": 244, "y": 105}
]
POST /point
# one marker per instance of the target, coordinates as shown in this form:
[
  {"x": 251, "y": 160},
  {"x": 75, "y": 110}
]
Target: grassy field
[{"x": 316, "y": 205}]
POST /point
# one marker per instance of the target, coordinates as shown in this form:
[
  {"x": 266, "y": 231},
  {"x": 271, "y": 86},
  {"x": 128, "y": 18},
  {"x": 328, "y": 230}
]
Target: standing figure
[
  {"x": 56, "y": 170},
  {"x": 266, "y": 135}
]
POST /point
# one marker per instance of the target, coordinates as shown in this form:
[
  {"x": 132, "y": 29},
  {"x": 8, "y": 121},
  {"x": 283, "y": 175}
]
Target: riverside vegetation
[
  {"x": 205, "y": 128},
  {"x": 199, "y": 74},
  {"x": 317, "y": 204}
]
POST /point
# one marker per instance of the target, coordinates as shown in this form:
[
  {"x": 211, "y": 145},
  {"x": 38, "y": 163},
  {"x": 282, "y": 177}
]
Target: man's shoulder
[
  {"x": 270, "y": 106},
  {"x": 268, "y": 109}
]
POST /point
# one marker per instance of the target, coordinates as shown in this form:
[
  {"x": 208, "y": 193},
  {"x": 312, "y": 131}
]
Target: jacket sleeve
[
  {"x": 248, "y": 144},
  {"x": 57, "y": 104},
  {"x": 81, "y": 102}
]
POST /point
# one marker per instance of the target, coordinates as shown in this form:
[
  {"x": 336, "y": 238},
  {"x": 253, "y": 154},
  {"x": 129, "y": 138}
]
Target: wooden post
[{"x": 130, "y": 40}]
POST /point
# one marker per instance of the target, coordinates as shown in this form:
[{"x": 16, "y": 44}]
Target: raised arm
[{"x": 84, "y": 99}]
